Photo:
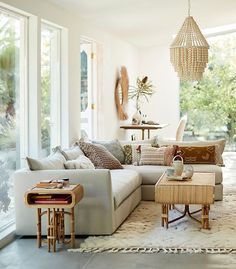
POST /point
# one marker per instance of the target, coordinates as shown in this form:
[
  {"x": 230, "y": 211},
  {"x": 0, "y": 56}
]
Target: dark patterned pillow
[
  {"x": 100, "y": 156},
  {"x": 198, "y": 155}
]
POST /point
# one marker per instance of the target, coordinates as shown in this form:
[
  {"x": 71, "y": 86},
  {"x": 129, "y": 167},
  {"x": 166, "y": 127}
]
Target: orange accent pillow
[{"x": 198, "y": 155}]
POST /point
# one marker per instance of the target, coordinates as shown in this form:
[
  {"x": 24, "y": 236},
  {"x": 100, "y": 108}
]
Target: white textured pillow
[
  {"x": 82, "y": 162},
  {"x": 52, "y": 162}
]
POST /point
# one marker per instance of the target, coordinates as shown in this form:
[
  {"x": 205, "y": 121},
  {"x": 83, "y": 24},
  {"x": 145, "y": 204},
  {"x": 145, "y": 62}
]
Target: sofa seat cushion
[
  {"x": 151, "y": 173},
  {"x": 124, "y": 182}
]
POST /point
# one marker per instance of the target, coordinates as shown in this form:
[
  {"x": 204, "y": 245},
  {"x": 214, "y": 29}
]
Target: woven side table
[{"x": 56, "y": 212}]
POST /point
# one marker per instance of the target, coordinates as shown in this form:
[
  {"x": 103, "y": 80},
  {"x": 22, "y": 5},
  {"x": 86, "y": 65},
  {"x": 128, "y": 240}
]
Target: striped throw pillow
[{"x": 157, "y": 156}]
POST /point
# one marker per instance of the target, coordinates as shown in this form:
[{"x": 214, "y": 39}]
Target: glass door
[
  {"x": 89, "y": 89},
  {"x": 13, "y": 107}
]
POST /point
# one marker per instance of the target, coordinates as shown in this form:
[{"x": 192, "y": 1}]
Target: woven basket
[{"x": 189, "y": 51}]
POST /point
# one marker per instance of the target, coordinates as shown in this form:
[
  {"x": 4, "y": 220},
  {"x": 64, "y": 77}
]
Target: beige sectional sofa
[{"x": 109, "y": 195}]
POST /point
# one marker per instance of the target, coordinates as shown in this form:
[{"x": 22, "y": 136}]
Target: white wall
[
  {"x": 115, "y": 53},
  {"x": 164, "y": 104}
]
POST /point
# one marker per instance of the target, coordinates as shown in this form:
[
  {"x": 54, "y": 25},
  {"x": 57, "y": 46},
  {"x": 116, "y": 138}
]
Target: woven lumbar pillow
[
  {"x": 198, "y": 155},
  {"x": 157, "y": 156},
  {"x": 100, "y": 156}
]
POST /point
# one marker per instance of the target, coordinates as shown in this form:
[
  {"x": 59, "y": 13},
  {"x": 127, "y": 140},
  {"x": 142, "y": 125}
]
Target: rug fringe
[{"x": 147, "y": 250}]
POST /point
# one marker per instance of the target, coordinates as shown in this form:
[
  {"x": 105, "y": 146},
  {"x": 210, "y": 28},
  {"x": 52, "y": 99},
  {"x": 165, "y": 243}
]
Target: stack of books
[
  {"x": 47, "y": 184},
  {"x": 51, "y": 199}
]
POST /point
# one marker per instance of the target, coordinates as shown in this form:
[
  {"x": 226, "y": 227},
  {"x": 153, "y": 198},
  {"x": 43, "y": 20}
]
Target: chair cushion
[
  {"x": 124, "y": 182},
  {"x": 151, "y": 173}
]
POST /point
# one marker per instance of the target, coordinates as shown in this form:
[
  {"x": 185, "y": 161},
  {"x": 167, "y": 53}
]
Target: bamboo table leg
[
  {"x": 164, "y": 216},
  {"x": 39, "y": 230},
  {"x": 72, "y": 226},
  {"x": 205, "y": 216},
  {"x": 54, "y": 233},
  {"x": 148, "y": 133},
  {"x": 49, "y": 230}
]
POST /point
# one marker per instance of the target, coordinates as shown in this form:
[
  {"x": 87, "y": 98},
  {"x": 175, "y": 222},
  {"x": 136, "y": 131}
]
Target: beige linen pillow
[
  {"x": 52, "y": 162},
  {"x": 100, "y": 156},
  {"x": 82, "y": 162}
]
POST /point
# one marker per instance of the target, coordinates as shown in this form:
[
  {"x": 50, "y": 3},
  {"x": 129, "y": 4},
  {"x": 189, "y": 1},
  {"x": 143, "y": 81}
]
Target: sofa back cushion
[
  {"x": 100, "y": 156},
  {"x": 52, "y": 162}
]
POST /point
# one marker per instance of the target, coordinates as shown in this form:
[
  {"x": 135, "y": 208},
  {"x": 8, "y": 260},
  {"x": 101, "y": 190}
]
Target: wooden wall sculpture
[{"x": 121, "y": 93}]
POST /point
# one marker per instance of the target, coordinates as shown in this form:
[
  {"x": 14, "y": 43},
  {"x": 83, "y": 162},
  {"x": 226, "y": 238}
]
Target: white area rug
[{"x": 142, "y": 231}]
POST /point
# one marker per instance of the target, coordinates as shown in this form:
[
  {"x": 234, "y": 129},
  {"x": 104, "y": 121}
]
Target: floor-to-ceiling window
[
  {"x": 50, "y": 87},
  {"x": 211, "y": 102},
  {"x": 13, "y": 29}
]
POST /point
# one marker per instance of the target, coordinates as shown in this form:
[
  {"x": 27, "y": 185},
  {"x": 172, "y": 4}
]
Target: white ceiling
[{"x": 146, "y": 23}]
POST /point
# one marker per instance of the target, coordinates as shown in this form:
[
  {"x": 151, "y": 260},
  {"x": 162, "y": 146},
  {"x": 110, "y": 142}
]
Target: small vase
[{"x": 137, "y": 118}]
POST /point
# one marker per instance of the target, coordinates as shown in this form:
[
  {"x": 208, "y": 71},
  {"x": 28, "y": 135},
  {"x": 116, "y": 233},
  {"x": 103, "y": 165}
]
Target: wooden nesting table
[
  {"x": 197, "y": 191},
  {"x": 55, "y": 212}
]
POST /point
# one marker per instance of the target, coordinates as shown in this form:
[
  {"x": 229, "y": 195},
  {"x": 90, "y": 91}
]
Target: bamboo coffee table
[
  {"x": 55, "y": 213},
  {"x": 197, "y": 191}
]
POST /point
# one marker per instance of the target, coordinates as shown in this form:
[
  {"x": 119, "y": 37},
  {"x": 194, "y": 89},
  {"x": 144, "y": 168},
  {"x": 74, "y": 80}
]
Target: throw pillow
[
  {"x": 219, "y": 146},
  {"x": 71, "y": 153},
  {"x": 157, "y": 156},
  {"x": 128, "y": 154},
  {"x": 198, "y": 155},
  {"x": 82, "y": 162},
  {"x": 52, "y": 162},
  {"x": 114, "y": 147},
  {"x": 100, "y": 156}
]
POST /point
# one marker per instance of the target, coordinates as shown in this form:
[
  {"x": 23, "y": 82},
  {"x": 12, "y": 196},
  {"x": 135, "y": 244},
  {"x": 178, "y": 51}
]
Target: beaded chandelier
[{"x": 189, "y": 51}]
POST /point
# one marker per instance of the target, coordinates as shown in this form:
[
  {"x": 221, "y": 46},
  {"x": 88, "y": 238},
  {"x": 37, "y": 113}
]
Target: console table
[
  {"x": 144, "y": 127},
  {"x": 55, "y": 201}
]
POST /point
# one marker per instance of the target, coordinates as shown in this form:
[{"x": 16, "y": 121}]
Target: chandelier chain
[{"x": 189, "y": 7}]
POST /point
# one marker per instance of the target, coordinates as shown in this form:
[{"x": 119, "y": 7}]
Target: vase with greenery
[{"x": 142, "y": 91}]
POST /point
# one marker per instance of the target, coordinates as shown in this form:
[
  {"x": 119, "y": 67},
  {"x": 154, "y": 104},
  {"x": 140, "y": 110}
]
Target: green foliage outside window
[{"x": 211, "y": 102}]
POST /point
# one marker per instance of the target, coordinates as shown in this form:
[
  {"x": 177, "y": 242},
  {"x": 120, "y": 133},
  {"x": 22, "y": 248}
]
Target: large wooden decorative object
[
  {"x": 121, "y": 93},
  {"x": 189, "y": 51}
]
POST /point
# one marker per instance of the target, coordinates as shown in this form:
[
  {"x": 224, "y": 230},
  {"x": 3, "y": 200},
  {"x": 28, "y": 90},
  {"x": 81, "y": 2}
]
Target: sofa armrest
[{"x": 95, "y": 209}]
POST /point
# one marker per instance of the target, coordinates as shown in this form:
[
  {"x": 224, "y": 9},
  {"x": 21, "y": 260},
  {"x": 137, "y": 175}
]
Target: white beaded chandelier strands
[{"x": 189, "y": 50}]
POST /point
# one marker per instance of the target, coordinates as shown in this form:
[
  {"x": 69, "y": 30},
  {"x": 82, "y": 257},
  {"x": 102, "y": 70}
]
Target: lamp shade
[{"x": 189, "y": 51}]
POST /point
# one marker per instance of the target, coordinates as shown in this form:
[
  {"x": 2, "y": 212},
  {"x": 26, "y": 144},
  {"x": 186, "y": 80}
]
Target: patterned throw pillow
[
  {"x": 157, "y": 156},
  {"x": 133, "y": 152},
  {"x": 198, "y": 155},
  {"x": 128, "y": 154},
  {"x": 100, "y": 156},
  {"x": 114, "y": 147}
]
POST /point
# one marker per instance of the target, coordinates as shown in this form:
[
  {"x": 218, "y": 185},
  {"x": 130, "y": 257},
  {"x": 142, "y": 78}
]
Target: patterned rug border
[{"x": 150, "y": 250}]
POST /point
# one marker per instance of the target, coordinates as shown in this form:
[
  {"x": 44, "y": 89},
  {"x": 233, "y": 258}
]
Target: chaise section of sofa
[
  {"x": 151, "y": 173},
  {"x": 109, "y": 197}
]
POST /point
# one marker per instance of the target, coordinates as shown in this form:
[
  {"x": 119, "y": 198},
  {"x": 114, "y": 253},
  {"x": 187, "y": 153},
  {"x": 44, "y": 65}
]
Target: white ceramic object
[
  {"x": 188, "y": 171},
  {"x": 178, "y": 165}
]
